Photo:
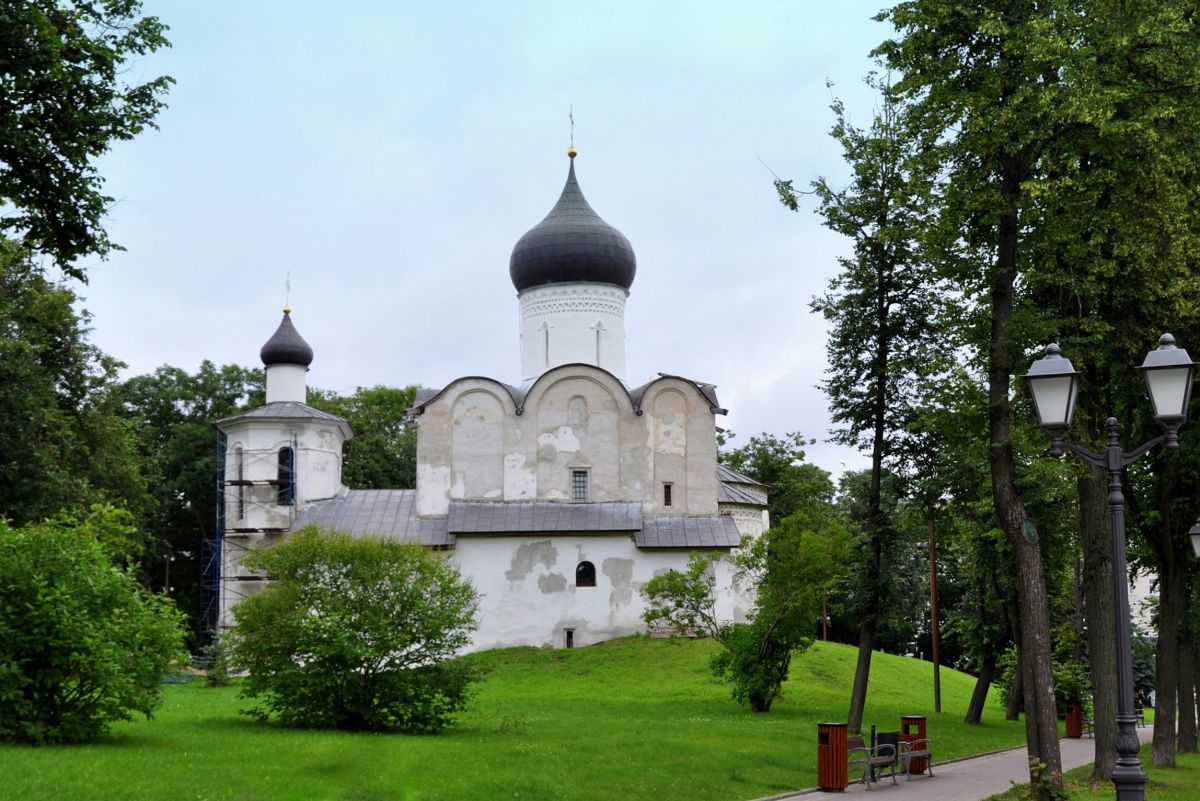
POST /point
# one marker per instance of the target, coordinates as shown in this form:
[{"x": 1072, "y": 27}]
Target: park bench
[
  {"x": 873, "y": 761},
  {"x": 913, "y": 751},
  {"x": 1089, "y": 725}
]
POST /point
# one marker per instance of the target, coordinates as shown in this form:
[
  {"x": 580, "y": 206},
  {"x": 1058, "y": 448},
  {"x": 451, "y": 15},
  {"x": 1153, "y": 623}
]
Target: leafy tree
[
  {"x": 383, "y": 452},
  {"x": 792, "y": 569},
  {"x": 897, "y": 568},
  {"x": 63, "y": 444},
  {"x": 982, "y": 81},
  {"x": 81, "y": 643},
  {"x": 172, "y": 412},
  {"x": 882, "y": 307},
  {"x": 779, "y": 463},
  {"x": 355, "y": 633},
  {"x": 65, "y": 97}
]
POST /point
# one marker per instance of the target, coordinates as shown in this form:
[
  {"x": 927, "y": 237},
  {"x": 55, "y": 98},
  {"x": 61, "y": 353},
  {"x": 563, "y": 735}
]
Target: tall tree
[
  {"x": 63, "y": 443},
  {"x": 882, "y": 307},
  {"x": 1115, "y": 252},
  {"x": 65, "y": 97},
  {"x": 982, "y": 79},
  {"x": 383, "y": 452},
  {"x": 173, "y": 411}
]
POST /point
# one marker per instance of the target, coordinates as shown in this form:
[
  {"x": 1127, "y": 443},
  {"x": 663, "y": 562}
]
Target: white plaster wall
[
  {"x": 751, "y": 521},
  {"x": 287, "y": 382},
  {"x": 471, "y": 434},
  {"x": 681, "y": 430},
  {"x": 576, "y": 426},
  {"x": 529, "y": 597},
  {"x": 569, "y": 323},
  {"x": 318, "y": 466},
  {"x": 471, "y": 443}
]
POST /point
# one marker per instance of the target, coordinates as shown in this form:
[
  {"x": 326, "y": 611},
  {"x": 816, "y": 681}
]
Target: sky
[{"x": 388, "y": 155}]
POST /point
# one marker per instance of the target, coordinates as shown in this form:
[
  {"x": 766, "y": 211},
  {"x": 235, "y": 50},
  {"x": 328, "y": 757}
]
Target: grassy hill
[{"x": 628, "y": 719}]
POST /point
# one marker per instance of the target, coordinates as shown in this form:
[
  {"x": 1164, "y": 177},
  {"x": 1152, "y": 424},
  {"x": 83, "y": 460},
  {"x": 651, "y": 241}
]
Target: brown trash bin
[
  {"x": 1074, "y": 720},
  {"x": 912, "y": 728},
  {"x": 831, "y": 757}
]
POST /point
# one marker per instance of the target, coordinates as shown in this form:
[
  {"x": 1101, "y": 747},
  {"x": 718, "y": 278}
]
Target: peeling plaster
[
  {"x": 527, "y": 554},
  {"x": 519, "y": 481},
  {"x": 564, "y": 439},
  {"x": 671, "y": 437},
  {"x": 552, "y": 582},
  {"x": 620, "y": 572}
]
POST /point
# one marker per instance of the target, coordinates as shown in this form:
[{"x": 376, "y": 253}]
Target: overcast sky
[{"x": 390, "y": 154}]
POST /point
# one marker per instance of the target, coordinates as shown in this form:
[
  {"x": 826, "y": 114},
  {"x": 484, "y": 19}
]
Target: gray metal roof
[
  {"x": 286, "y": 346},
  {"x": 734, "y": 477},
  {"x": 731, "y": 493},
  {"x": 572, "y": 244},
  {"x": 391, "y": 514},
  {"x": 285, "y": 410},
  {"x": 688, "y": 531},
  {"x": 511, "y": 517}
]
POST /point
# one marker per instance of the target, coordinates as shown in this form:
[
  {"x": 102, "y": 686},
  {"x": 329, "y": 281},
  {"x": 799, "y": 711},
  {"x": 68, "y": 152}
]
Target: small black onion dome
[
  {"x": 572, "y": 244},
  {"x": 286, "y": 346}
]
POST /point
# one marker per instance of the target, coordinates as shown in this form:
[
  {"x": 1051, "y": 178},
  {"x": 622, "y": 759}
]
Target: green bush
[
  {"x": 81, "y": 643},
  {"x": 355, "y": 634},
  {"x": 790, "y": 569},
  {"x": 213, "y": 659}
]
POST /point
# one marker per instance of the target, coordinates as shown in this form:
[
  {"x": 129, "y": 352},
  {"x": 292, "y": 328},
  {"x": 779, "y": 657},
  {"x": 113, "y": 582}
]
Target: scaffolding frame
[{"x": 216, "y": 583}]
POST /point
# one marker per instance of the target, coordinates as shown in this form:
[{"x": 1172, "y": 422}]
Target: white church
[{"x": 558, "y": 497}]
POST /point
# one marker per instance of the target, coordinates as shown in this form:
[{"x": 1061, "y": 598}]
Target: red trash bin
[
  {"x": 912, "y": 728},
  {"x": 831, "y": 757},
  {"x": 1074, "y": 720}
]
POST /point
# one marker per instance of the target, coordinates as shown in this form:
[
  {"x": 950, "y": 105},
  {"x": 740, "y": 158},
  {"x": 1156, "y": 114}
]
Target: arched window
[
  {"x": 585, "y": 575},
  {"x": 286, "y": 476}
]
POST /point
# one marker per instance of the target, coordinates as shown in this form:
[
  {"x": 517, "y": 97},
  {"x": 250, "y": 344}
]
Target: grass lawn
[
  {"x": 628, "y": 719},
  {"x": 1180, "y": 783}
]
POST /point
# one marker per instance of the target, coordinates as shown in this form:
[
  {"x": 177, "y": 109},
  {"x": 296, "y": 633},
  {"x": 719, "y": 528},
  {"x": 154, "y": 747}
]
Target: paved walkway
[{"x": 973, "y": 779}]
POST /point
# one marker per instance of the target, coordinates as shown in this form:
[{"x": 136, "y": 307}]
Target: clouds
[{"x": 388, "y": 156}]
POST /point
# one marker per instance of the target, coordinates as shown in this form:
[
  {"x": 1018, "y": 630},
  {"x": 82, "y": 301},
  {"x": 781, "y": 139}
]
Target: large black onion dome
[
  {"x": 572, "y": 244},
  {"x": 286, "y": 346}
]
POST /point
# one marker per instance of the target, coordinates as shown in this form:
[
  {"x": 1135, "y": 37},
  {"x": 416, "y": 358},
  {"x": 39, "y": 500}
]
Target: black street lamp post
[{"x": 1054, "y": 384}]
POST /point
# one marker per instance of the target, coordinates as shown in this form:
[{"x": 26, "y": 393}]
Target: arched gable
[
  {"x": 477, "y": 445},
  {"x": 572, "y": 433},
  {"x": 615, "y": 389}
]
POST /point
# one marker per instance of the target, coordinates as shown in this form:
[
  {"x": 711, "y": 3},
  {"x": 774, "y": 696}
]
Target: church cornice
[{"x": 520, "y": 394}]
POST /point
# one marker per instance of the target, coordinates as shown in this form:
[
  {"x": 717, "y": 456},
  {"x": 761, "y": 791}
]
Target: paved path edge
[{"x": 790, "y": 794}]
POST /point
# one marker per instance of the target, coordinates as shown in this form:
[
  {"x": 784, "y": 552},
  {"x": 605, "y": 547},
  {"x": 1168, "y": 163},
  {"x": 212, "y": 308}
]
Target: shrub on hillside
[
  {"x": 791, "y": 569},
  {"x": 82, "y": 644},
  {"x": 355, "y": 633}
]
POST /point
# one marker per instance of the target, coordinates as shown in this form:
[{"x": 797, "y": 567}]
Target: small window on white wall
[
  {"x": 579, "y": 485},
  {"x": 668, "y": 494}
]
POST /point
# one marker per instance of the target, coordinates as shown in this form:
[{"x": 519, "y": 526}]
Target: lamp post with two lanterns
[{"x": 1054, "y": 384}]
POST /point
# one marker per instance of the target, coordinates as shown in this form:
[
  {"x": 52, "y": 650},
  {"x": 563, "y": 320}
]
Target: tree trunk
[
  {"x": 1041, "y": 712},
  {"x": 858, "y": 696},
  {"x": 875, "y": 533},
  {"x": 1166, "y": 657},
  {"x": 1098, "y": 605},
  {"x": 1016, "y": 695},
  {"x": 1187, "y": 688},
  {"x": 982, "y": 684}
]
